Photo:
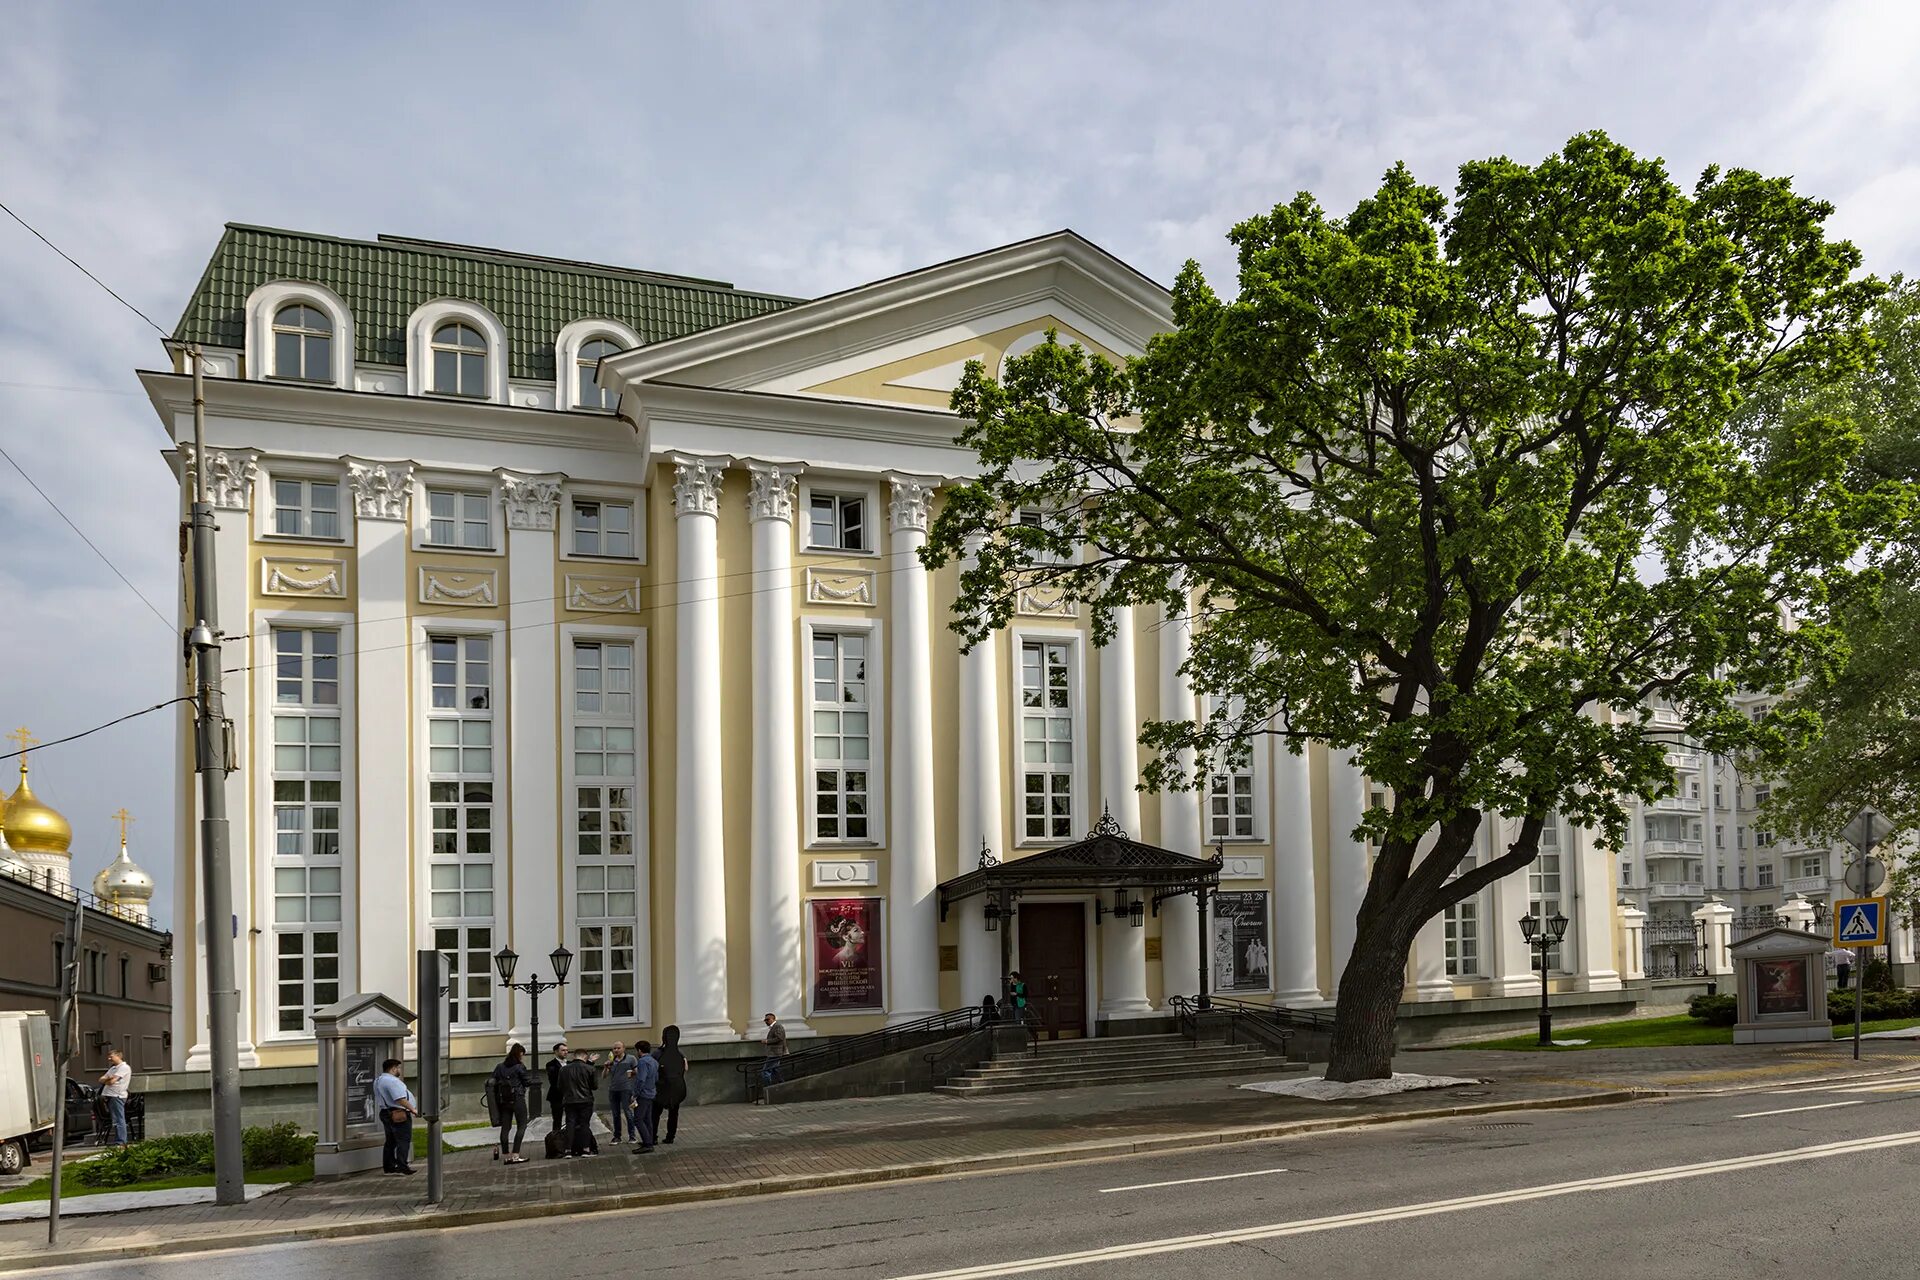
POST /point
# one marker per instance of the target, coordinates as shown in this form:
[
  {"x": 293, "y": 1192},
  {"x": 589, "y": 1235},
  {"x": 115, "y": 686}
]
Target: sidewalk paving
[{"x": 733, "y": 1150}]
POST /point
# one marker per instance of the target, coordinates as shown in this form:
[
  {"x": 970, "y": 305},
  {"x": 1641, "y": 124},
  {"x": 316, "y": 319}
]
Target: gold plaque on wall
[
  {"x": 949, "y": 959},
  {"x": 1153, "y": 948}
]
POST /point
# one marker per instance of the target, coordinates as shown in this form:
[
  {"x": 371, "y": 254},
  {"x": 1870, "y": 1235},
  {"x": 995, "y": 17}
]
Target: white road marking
[
  {"x": 1843, "y": 1086},
  {"x": 1787, "y": 1111},
  {"x": 1613, "y": 1182},
  {"x": 1181, "y": 1182},
  {"x": 1904, "y": 1086}
]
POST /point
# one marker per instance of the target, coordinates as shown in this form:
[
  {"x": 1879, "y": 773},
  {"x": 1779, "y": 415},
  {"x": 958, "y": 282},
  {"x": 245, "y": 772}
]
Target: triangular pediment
[
  {"x": 907, "y": 340},
  {"x": 1775, "y": 942}
]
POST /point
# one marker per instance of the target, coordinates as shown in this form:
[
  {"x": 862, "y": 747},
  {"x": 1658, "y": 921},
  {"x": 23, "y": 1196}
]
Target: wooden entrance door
[{"x": 1053, "y": 960}]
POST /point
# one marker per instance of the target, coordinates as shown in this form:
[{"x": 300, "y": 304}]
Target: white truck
[{"x": 29, "y": 1098}]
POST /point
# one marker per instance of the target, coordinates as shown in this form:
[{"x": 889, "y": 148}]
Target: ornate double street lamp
[
  {"x": 505, "y": 961},
  {"x": 1544, "y": 938}
]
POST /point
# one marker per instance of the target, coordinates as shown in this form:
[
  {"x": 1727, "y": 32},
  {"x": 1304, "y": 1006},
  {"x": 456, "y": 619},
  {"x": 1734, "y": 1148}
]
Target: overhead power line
[
  {"x": 89, "y": 541},
  {"x": 75, "y": 737},
  {"x": 82, "y": 270}
]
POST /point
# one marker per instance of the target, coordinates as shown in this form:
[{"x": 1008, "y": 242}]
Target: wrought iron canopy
[{"x": 1106, "y": 859}]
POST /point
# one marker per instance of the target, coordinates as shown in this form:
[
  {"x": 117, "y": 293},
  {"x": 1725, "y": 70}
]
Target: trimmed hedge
[
  {"x": 1879, "y": 1005},
  {"x": 1715, "y": 1011},
  {"x": 275, "y": 1147}
]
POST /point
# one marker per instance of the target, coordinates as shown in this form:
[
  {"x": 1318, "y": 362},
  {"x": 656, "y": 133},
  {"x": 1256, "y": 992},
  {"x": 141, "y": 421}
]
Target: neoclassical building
[{"x": 568, "y": 604}]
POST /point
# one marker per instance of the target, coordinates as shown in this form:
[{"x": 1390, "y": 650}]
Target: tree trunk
[{"x": 1367, "y": 1004}]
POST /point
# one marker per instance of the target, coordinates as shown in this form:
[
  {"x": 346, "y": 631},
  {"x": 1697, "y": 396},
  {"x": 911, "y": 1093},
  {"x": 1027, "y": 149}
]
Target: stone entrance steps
[{"x": 1068, "y": 1064}]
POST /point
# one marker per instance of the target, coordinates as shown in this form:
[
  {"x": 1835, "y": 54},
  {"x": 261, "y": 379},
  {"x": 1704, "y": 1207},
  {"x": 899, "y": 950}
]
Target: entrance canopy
[{"x": 1106, "y": 859}]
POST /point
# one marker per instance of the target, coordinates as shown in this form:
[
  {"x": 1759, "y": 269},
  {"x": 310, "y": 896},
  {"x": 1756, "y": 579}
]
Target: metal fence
[{"x": 1674, "y": 948}]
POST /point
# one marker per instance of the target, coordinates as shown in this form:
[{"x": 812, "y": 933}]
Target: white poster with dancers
[
  {"x": 846, "y": 954},
  {"x": 1241, "y": 942}
]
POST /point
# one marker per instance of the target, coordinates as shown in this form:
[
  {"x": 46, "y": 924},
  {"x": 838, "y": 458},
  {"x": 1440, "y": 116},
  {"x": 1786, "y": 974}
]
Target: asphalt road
[{"x": 1730, "y": 1186}]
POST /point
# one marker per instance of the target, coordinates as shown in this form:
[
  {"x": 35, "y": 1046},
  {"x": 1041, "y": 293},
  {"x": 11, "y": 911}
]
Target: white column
[
  {"x": 1123, "y": 948},
  {"x": 1180, "y": 828},
  {"x": 1633, "y": 924},
  {"x": 1594, "y": 869},
  {"x": 1346, "y": 856},
  {"x": 1512, "y": 970},
  {"x": 1296, "y": 950},
  {"x": 1717, "y": 917},
  {"x": 700, "y": 888},
  {"x": 230, "y": 484},
  {"x": 778, "y": 978},
  {"x": 381, "y": 711},
  {"x": 913, "y": 922},
  {"x": 979, "y": 826}
]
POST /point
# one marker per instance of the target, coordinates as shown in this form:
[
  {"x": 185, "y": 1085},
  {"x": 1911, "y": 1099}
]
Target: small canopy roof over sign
[
  {"x": 366, "y": 1011},
  {"x": 1106, "y": 859}
]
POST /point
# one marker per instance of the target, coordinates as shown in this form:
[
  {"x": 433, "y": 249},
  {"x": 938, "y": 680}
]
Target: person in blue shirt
[
  {"x": 394, "y": 1099},
  {"x": 646, "y": 1084}
]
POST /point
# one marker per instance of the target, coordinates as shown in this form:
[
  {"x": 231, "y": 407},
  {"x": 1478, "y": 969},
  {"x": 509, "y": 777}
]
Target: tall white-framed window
[
  {"x": 1049, "y": 726},
  {"x": 1462, "y": 931},
  {"x": 1763, "y": 875},
  {"x": 460, "y": 518},
  {"x": 1231, "y": 796},
  {"x": 306, "y": 508},
  {"x": 1543, "y": 888},
  {"x": 839, "y": 521},
  {"x": 840, "y": 706},
  {"x": 307, "y": 774},
  {"x": 461, "y": 803},
  {"x": 604, "y": 708},
  {"x": 459, "y": 354},
  {"x": 589, "y": 394},
  {"x": 602, "y": 527},
  {"x": 303, "y": 343}
]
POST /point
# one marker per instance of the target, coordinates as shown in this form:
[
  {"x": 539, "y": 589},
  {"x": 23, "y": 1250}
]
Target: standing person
[
  {"x": 646, "y": 1085},
  {"x": 620, "y": 1068},
  {"x": 1017, "y": 993},
  {"x": 113, "y": 1090},
  {"x": 397, "y": 1110},
  {"x": 672, "y": 1090},
  {"x": 578, "y": 1083},
  {"x": 1843, "y": 966},
  {"x": 554, "y": 1104},
  {"x": 776, "y": 1050},
  {"x": 509, "y": 1084}
]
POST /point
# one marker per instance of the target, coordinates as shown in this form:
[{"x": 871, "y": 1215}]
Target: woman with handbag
[
  {"x": 397, "y": 1110},
  {"x": 507, "y": 1100}
]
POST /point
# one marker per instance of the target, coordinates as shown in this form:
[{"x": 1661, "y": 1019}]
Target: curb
[{"x": 423, "y": 1219}]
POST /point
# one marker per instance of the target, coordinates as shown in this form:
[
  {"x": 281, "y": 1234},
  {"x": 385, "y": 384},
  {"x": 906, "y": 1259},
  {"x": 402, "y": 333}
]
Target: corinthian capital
[
  {"x": 531, "y": 501},
  {"x": 230, "y": 475},
  {"x": 379, "y": 488},
  {"x": 912, "y": 499},
  {"x": 770, "y": 490},
  {"x": 696, "y": 485}
]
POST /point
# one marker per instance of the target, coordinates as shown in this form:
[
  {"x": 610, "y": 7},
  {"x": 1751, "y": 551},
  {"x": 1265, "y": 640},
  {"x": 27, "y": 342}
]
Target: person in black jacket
[
  {"x": 554, "y": 1104},
  {"x": 672, "y": 1090},
  {"x": 579, "y": 1080},
  {"x": 509, "y": 1084}
]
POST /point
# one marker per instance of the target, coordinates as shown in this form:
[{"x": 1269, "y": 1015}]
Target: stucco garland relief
[
  {"x": 298, "y": 578},
  {"x": 1244, "y": 868},
  {"x": 603, "y": 595},
  {"x": 471, "y": 587},
  {"x": 1048, "y": 600},
  {"x": 839, "y": 586}
]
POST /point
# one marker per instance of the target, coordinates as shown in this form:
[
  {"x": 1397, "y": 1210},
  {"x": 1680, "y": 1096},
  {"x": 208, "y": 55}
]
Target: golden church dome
[{"x": 33, "y": 826}]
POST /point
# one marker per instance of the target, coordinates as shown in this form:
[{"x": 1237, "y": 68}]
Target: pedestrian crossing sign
[{"x": 1860, "y": 922}]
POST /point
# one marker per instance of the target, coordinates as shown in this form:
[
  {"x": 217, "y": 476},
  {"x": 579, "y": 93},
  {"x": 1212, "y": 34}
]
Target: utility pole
[
  {"x": 210, "y": 760},
  {"x": 66, "y": 1037}
]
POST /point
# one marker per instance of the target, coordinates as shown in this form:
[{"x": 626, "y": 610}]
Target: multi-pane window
[
  {"x": 1046, "y": 740},
  {"x": 1763, "y": 875},
  {"x": 459, "y": 518},
  {"x": 591, "y": 395},
  {"x": 1812, "y": 867},
  {"x": 1230, "y": 787},
  {"x": 306, "y": 508},
  {"x": 307, "y": 785},
  {"x": 842, "y": 736},
  {"x": 602, "y": 528},
  {"x": 459, "y": 361},
  {"x": 605, "y": 862},
  {"x": 1543, "y": 886},
  {"x": 303, "y": 343},
  {"x": 460, "y": 799},
  {"x": 837, "y": 521},
  {"x": 1463, "y": 931}
]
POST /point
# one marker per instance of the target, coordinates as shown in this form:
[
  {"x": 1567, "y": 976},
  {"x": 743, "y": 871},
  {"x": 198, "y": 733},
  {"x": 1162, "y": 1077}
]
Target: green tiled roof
[{"x": 384, "y": 280}]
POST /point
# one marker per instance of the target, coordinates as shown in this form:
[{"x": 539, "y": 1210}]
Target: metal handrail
[
  {"x": 844, "y": 1051},
  {"x": 1271, "y": 1025},
  {"x": 943, "y": 1063}
]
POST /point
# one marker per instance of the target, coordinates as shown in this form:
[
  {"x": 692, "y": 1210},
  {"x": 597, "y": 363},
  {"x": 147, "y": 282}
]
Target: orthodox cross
[{"x": 125, "y": 819}]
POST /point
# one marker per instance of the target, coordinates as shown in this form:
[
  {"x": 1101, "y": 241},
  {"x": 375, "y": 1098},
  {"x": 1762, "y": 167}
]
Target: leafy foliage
[
  {"x": 273, "y": 1147},
  {"x": 1715, "y": 1011}
]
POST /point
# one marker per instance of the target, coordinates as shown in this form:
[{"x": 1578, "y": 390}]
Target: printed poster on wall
[
  {"x": 1240, "y": 942},
  {"x": 1781, "y": 986},
  {"x": 846, "y": 954}
]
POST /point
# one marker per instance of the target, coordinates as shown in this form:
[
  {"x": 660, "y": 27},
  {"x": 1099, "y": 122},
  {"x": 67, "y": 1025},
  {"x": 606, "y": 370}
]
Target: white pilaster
[
  {"x": 1180, "y": 828},
  {"x": 1346, "y": 856},
  {"x": 535, "y": 917},
  {"x": 383, "y": 769},
  {"x": 1296, "y": 950},
  {"x": 1123, "y": 948},
  {"x": 778, "y": 979},
  {"x": 700, "y": 890},
  {"x": 978, "y": 734},
  {"x": 1594, "y": 868},
  {"x": 913, "y": 911}
]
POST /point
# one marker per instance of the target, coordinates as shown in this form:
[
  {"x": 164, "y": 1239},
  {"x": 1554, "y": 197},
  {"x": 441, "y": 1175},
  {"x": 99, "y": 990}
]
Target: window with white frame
[
  {"x": 303, "y": 344},
  {"x": 590, "y": 394},
  {"x": 1543, "y": 886},
  {"x": 1230, "y": 786},
  {"x": 837, "y": 521},
  {"x": 1046, "y": 740},
  {"x": 602, "y": 528},
  {"x": 1811, "y": 868},
  {"x": 1762, "y": 838},
  {"x": 460, "y": 799},
  {"x": 1463, "y": 932},
  {"x": 842, "y": 729},
  {"x": 460, "y": 518},
  {"x": 459, "y": 355},
  {"x": 605, "y": 862},
  {"x": 307, "y": 771},
  {"x": 1763, "y": 875},
  {"x": 306, "y": 508}
]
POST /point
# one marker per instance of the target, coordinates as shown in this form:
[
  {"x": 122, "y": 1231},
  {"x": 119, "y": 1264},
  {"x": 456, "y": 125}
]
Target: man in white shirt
[
  {"x": 397, "y": 1110},
  {"x": 113, "y": 1087}
]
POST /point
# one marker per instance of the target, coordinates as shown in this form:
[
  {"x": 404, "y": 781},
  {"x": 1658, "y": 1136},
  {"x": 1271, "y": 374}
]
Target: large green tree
[{"x": 1455, "y": 485}]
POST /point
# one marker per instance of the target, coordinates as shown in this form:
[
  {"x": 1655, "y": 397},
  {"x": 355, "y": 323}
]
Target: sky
[{"x": 797, "y": 148}]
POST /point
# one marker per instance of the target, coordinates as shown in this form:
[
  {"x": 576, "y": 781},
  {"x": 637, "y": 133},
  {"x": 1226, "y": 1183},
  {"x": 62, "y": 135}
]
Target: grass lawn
[
  {"x": 1641, "y": 1033},
  {"x": 420, "y": 1136},
  {"x": 41, "y": 1188}
]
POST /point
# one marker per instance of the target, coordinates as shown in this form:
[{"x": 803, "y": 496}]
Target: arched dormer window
[
  {"x": 459, "y": 361},
  {"x": 303, "y": 344},
  {"x": 590, "y": 394}
]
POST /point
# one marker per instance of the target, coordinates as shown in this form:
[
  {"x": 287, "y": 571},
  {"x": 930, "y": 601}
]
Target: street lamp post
[
  {"x": 504, "y": 962},
  {"x": 1544, "y": 937}
]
